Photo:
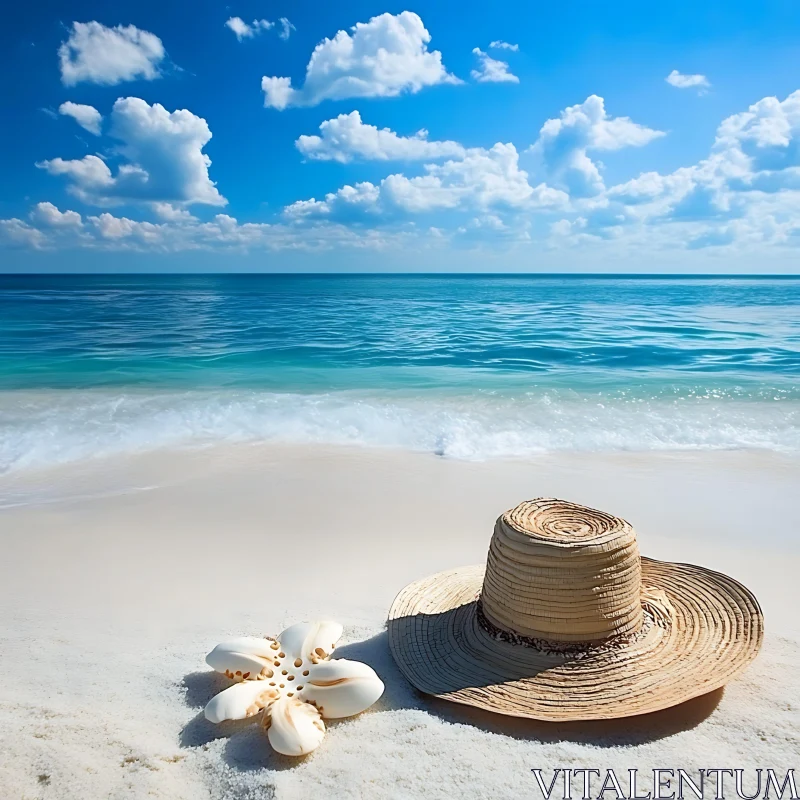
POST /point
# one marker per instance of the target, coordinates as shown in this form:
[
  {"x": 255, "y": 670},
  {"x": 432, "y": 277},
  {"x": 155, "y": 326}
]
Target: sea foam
[{"x": 42, "y": 428}]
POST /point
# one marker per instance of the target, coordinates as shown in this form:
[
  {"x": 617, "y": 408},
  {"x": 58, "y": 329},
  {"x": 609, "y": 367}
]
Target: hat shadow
[
  {"x": 632, "y": 730},
  {"x": 245, "y": 749}
]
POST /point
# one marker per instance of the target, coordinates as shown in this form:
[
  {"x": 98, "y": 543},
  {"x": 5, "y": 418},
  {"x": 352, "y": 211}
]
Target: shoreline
[
  {"x": 109, "y": 603},
  {"x": 449, "y": 412}
]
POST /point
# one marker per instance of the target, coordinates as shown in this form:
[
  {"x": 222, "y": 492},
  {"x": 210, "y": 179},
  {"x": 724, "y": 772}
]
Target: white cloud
[
  {"x": 756, "y": 153},
  {"x": 561, "y": 149},
  {"x": 742, "y": 199},
  {"x": 491, "y": 69},
  {"x": 649, "y": 186},
  {"x": 493, "y": 178},
  {"x": 239, "y": 27},
  {"x": 48, "y": 215},
  {"x": 745, "y": 194},
  {"x": 111, "y": 227},
  {"x": 286, "y": 28},
  {"x": 382, "y": 58},
  {"x": 170, "y": 213},
  {"x": 88, "y": 117},
  {"x": 278, "y": 92},
  {"x": 96, "y": 54},
  {"x": 16, "y": 233},
  {"x": 346, "y": 137},
  {"x": 767, "y": 135},
  {"x": 680, "y": 81},
  {"x": 245, "y": 31},
  {"x": 481, "y": 180},
  {"x": 163, "y": 159},
  {"x": 51, "y": 229},
  {"x": 498, "y": 45},
  {"x": 89, "y": 173},
  {"x": 418, "y": 195},
  {"x": 361, "y": 198}
]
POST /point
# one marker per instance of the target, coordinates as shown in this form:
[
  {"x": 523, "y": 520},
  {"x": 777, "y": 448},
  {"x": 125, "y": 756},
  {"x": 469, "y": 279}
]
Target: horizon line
[{"x": 636, "y": 275}]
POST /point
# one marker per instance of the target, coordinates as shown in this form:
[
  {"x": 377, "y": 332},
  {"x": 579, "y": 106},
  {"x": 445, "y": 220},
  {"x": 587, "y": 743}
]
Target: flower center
[{"x": 284, "y": 674}]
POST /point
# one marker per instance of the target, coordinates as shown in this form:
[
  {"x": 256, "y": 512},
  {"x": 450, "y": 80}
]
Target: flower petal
[
  {"x": 307, "y": 638},
  {"x": 295, "y": 728},
  {"x": 245, "y": 657},
  {"x": 241, "y": 700},
  {"x": 341, "y": 688}
]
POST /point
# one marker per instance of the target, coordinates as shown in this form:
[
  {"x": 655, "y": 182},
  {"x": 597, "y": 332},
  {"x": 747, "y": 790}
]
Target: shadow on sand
[
  {"x": 640, "y": 729},
  {"x": 245, "y": 748}
]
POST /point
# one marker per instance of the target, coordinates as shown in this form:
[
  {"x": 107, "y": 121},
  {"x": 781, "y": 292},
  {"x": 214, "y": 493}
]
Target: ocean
[{"x": 469, "y": 367}]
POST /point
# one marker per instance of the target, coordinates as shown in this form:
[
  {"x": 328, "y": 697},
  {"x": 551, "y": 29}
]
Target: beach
[
  {"x": 187, "y": 459},
  {"x": 477, "y": 343},
  {"x": 120, "y": 573}
]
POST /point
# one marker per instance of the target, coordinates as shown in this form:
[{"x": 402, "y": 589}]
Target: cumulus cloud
[
  {"x": 52, "y": 229},
  {"x": 680, "y": 81},
  {"x": 755, "y": 153},
  {"x": 381, "y": 58},
  {"x": 563, "y": 145},
  {"x": 481, "y": 180},
  {"x": 94, "y": 53},
  {"x": 162, "y": 159},
  {"x": 743, "y": 197},
  {"x": 650, "y": 185},
  {"x": 89, "y": 171},
  {"x": 498, "y": 45},
  {"x": 48, "y": 215},
  {"x": 17, "y": 233},
  {"x": 491, "y": 70},
  {"x": 767, "y": 135},
  {"x": 88, "y": 117},
  {"x": 245, "y": 31},
  {"x": 171, "y": 213},
  {"x": 278, "y": 93},
  {"x": 745, "y": 194},
  {"x": 346, "y": 137}
]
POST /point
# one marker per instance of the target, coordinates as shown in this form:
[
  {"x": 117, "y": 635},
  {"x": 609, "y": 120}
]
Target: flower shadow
[
  {"x": 246, "y": 748},
  {"x": 632, "y": 730}
]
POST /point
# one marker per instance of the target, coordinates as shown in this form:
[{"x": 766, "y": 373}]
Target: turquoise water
[{"x": 468, "y": 367}]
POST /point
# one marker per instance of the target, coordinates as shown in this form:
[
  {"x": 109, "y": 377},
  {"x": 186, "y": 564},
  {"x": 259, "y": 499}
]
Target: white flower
[{"x": 293, "y": 683}]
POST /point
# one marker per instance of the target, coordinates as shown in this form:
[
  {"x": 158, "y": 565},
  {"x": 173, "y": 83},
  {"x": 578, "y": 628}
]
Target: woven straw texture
[{"x": 567, "y": 622}]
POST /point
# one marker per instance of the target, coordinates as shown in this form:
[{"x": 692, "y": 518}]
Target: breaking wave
[{"x": 47, "y": 427}]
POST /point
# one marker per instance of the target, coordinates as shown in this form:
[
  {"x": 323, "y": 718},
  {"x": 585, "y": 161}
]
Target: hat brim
[{"x": 714, "y": 629}]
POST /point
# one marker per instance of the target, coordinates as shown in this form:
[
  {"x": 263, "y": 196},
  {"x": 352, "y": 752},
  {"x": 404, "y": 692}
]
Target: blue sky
[{"x": 386, "y": 136}]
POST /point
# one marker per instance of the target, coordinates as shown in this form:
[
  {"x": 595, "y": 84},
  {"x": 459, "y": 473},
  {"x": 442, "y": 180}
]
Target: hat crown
[{"x": 563, "y": 572}]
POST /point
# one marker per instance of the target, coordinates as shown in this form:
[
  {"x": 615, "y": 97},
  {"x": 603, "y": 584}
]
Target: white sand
[{"x": 123, "y": 574}]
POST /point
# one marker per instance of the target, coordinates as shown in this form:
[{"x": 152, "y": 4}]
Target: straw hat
[{"x": 567, "y": 622}]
